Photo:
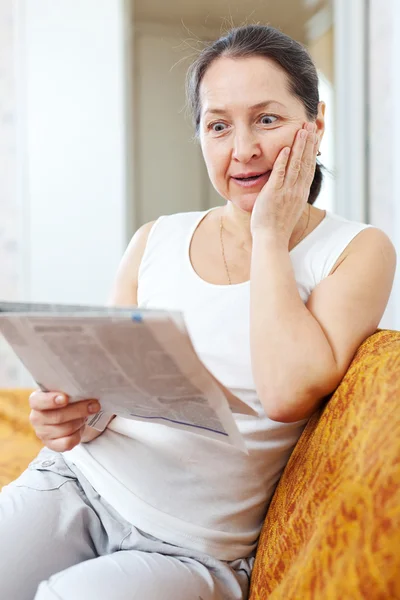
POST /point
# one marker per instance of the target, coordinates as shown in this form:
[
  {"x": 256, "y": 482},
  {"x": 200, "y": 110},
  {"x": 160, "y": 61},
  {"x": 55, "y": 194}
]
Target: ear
[{"x": 320, "y": 122}]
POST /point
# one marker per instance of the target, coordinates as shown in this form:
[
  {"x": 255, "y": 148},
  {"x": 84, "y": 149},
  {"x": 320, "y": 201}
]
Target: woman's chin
[{"x": 245, "y": 201}]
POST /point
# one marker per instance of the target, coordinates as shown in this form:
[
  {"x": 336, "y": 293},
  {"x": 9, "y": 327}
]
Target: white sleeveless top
[{"x": 179, "y": 486}]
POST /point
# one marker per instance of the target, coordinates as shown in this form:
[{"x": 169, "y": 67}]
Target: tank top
[{"x": 183, "y": 488}]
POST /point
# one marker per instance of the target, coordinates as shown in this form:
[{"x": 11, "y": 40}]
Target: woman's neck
[{"x": 237, "y": 225}]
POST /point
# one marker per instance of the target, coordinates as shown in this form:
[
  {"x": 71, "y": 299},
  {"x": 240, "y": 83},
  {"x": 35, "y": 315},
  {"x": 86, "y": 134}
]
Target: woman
[{"x": 277, "y": 296}]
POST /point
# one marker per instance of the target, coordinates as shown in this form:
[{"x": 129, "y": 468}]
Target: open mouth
[{"x": 250, "y": 180}]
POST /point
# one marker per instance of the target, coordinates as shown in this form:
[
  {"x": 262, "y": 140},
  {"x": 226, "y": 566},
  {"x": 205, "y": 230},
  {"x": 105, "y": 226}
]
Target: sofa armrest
[
  {"x": 333, "y": 526},
  {"x": 18, "y": 442}
]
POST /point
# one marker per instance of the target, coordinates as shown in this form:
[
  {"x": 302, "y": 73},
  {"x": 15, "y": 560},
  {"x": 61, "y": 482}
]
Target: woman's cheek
[
  {"x": 275, "y": 145},
  {"x": 216, "y": 165},
  {"x": 279, "y": 139},
  {"x": 287, "y": 139}
]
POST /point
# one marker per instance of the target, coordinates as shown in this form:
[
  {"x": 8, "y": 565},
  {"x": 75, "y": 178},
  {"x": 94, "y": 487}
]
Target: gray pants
[{"x": 60, "y": 540}]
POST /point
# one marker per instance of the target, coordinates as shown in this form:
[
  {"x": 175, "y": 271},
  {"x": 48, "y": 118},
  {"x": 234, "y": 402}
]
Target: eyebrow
[{"x": 221, "y": 111}]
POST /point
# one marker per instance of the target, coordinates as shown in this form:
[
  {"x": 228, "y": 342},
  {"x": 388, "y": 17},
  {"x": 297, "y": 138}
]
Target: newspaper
[{"x": 138, "y": 363}]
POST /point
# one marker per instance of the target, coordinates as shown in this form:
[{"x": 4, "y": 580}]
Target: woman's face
[{"x": 247, "y": 116}]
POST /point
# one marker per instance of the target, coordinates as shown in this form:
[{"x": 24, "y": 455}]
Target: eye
[
  {"x": 265, "y": 122},
  {"x": 217, "y": 127}
]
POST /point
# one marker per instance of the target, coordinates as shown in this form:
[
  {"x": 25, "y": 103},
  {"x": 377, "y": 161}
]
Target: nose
[{"x": 246, "y": 146}]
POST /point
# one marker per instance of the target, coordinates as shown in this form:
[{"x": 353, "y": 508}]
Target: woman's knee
[
  {"x": 134, "y": 575},
  {"x": 41, "y": 533},
  {"x": 69, "y": 584}
]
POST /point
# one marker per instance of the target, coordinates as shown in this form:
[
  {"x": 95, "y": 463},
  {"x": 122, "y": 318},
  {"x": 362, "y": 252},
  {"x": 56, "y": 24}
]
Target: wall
[
  {"x": 169, "y": 172},
  {"x": 321, "y": 50},
  {"x": 384, "y": 131},
  {"x": 74, "y": 120},
  {"x": 70, "y": 203},
  {"x": 10, "y": 212},
  {"x": 319, "y": 33}
]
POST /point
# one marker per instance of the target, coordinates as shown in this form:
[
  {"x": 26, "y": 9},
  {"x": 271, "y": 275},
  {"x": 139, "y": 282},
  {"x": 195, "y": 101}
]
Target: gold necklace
[
  {"x": 223, "y": 251},
  {"x": 221, "y": 227}
]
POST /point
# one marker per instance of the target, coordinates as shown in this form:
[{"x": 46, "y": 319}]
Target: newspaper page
[{"x": 139, "y": 363}]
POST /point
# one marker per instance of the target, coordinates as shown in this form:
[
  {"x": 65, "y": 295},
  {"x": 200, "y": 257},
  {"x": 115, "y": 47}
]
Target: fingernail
[
  {"x": 93, "y": 407},
  {"x": 60, "y": 400}
]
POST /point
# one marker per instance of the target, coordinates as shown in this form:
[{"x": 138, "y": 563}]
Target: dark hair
[{"x": 266, "y": 41}]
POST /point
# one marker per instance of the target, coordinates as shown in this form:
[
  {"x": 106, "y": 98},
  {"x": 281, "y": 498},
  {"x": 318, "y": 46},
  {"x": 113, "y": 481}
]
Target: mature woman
[{"x": 277, "y": 296}]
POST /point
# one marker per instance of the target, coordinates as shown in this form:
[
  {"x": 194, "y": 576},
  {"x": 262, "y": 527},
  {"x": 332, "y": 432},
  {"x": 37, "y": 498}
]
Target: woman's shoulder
[
  {"x": 142, "y": 234},
  {"x": 178, "y": 223},
  {"x": 360, "y": 240},
  {"x": 185, "y": 216},
  {"x": 371, "y": 237},
  {"x": 361, "y": 233}
]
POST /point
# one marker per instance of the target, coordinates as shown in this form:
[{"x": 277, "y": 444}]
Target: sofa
[{"x": 332, "y": 530}]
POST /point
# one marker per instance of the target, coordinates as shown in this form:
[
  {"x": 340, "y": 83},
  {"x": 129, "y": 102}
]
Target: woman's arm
[
  {"x": 124, "y": 291},
  {"x": 301, "y": 352}
]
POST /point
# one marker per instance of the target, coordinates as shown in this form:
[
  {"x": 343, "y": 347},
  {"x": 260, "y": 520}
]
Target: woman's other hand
[{"x": 59, "y": 424}]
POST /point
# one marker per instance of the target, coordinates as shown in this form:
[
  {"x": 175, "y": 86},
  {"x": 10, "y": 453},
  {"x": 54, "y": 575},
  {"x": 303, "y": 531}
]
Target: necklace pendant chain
[
  {"x": 221, "y": 227},
  {"x": 223, "y": 251},
  {"x": 306, "y": 227}
]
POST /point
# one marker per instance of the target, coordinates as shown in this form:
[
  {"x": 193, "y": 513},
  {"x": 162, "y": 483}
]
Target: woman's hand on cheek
[{"x": 283, "y": 198}]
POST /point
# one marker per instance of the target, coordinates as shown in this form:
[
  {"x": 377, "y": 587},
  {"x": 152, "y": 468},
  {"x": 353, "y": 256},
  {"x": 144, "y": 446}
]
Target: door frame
[{"x": 351, "y": 108}]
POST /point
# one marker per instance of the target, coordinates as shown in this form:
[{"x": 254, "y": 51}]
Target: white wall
[
  {"x": 72, "y": 123},
  {"x": 10, "y": 213},
  {"x": 326, "y": 198},
  {"x": 384, "y": 133},
  {"x": 351, "y": 101}
]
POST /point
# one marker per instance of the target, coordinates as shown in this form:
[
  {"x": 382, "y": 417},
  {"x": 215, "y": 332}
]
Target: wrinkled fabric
[{"x": 59, "y": 539}]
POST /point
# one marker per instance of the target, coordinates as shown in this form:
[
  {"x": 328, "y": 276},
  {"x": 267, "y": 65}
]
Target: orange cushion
[
  {"x": 18, "y": 442},
  {"x": 333, "y": 526}
]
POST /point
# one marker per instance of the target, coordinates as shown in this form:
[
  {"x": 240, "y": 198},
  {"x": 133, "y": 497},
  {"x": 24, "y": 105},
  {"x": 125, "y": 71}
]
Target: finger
[
  {"x": 296, "y": 157},
  {"x": 39, "y": 400},
  {"x": 310, "y": 176},
  {"x": 278, "y": 173},
  {"x": 77, "y": 410},
  {"x": 309, "y": 155},
  {"x": 65, "y": 443},
  {"x": 53, "y": 432}
]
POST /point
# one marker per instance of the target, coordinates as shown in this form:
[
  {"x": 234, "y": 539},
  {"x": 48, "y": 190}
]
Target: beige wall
[
  {"x": 320, "y": 45},
  {"x": 169, "y": 171},
  {"x": 321, "y": 50}
]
